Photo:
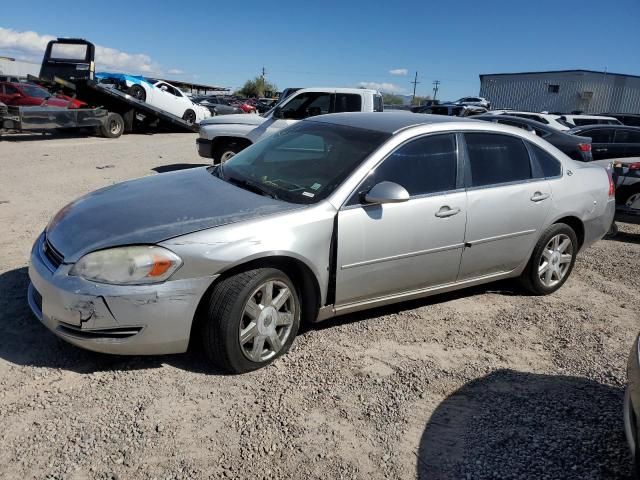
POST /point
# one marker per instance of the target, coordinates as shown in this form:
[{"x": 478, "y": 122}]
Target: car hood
[
  {"x": 152, "y": 209},
  {"x": 240, "y": 118}
]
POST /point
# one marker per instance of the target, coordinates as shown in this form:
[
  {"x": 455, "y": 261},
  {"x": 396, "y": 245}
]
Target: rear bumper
[
  {"x": 127, "y": 320},
  {"x": 598, "y": 226},
  {"x": 204, "y": 146}
]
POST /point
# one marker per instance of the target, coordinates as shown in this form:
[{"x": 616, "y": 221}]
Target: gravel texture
[{"x": 485, "y": 383}]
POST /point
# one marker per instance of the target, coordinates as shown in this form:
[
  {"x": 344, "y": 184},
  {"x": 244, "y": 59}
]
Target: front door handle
[
  {"x": 447, "y": 211},
  {"x": 539, "y": 196}
]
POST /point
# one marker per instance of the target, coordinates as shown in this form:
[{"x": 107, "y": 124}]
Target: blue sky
[{"x": 306, "y": 43}]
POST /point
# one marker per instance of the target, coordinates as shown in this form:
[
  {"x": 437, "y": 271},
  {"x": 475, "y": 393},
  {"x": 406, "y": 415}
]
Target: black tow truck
[{"x": 68, "y": 67}]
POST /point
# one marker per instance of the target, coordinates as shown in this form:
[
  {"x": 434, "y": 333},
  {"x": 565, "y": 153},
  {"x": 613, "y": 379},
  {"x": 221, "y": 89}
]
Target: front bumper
[
  {"x": 632, "y": 400},
  {"x": 204, "y": 147},
  {"x": 127, "y": 320}
]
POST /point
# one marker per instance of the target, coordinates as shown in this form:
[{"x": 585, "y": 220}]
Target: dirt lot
[{"x": 484, "y": 383}]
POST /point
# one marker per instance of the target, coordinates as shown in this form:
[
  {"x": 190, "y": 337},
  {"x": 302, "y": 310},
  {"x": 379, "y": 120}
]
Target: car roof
[
  {"x": 604, "y": 126},
  {"x": 601, "y": 117},
  {"x": 387, "y": 122}
]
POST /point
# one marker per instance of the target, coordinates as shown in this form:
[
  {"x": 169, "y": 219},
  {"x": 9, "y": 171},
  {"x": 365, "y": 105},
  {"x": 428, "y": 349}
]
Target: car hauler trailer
[{"x": 69, "y": 66}]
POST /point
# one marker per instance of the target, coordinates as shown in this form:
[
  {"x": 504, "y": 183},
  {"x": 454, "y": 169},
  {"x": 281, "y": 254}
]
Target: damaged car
[
  {"x": 335, "y": 214},
  {"x": 157, "y": 93}
]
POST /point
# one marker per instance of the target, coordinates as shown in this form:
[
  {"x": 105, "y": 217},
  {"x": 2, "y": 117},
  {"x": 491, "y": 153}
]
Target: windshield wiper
[{"x": 252, "y": 187}]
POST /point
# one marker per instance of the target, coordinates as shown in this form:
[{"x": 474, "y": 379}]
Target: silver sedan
[{"x": 336, "y": 214}]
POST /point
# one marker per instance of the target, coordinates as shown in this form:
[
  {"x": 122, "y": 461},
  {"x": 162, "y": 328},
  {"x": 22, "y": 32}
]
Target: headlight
[{"x": 128, "y": 265}]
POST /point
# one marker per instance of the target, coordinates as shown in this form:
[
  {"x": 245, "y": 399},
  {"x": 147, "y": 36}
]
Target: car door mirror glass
[{"x": 386, "y": 192}]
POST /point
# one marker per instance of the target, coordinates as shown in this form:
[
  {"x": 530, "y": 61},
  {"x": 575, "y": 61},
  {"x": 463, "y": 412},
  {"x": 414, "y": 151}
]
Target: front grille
[{"x": 53, "y": 256}]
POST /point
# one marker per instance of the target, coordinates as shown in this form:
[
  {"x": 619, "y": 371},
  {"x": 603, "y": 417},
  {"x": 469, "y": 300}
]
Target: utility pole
[
  {"x": 415, "y": 82},
  {"x": 436, "y": 83},
  {"x": 264, "y": 72}
]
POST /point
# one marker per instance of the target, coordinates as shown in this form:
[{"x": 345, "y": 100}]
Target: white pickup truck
[{"x": 221, "y": 137}]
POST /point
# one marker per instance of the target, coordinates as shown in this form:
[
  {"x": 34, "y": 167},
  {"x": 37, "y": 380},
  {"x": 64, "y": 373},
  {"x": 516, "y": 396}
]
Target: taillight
[
  {"x": 634, "y": 166},
  {"x": 584, "y": 147},
  {"x": 612, "y": 185}
]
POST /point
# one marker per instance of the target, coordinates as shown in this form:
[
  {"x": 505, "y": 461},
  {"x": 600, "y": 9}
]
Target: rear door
[
  {"x": 602, "y": 146},
  {"x": 507, "y": 204}
]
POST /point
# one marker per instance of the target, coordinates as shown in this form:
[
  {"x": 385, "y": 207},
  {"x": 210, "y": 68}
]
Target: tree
[
  {"x": 257, "y": 88},
  {"x": 391, "y": 99},
  {"x": 418, "y": 100}
]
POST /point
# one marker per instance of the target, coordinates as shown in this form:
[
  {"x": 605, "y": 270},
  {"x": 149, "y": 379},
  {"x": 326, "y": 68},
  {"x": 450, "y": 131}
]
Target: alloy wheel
[
  {"x": 266, "y": 321},
  {"x": 227, "y": 156},
  {"x": 555, "y": 260}
]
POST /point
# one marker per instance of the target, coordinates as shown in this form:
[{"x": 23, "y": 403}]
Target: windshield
[
  {"x": 33, "y": 91},
  {"x": 302, "y": 164}
]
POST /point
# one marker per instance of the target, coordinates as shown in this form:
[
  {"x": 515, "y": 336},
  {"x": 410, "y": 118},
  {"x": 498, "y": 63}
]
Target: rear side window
[
  {"x": 422, "y": 166},
  {"x": 496, "y": 159},
  {"x": 378, "y": 104},
  {"x": 348, "y": 102},
  {"x": 627, "y": 136},
  {"x": 604, "y": 135},
  {"x": 549, "y": 165}
]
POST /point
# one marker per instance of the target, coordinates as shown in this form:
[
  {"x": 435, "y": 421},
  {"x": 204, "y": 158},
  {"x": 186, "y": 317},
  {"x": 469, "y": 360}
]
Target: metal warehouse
[{"x": 563, "y": 91}]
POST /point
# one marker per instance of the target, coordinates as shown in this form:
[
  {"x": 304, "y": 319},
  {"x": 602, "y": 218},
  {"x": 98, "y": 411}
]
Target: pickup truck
[{"x": 222, "y": 137}]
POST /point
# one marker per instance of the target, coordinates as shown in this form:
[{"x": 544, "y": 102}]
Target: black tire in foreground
[
  {"x": 251, "y": 319},
  {"x": 552, "y": 260},
  {"x": 113, "y": 126},
  {"x": 138, "y": 92}
]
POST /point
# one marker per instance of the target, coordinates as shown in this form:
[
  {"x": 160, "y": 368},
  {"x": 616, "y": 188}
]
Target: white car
[
  {"x": 581, "y": 120},
  {"x": 554, "y": 121},
  {"x": 159, "y": 94},
  {"x": 474, "y": 101}
]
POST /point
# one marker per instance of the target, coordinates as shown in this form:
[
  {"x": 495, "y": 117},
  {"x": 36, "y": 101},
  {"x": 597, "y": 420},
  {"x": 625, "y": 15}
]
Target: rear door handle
[
  {"x": 539, "y": 196},
  {"x": 447, "y": 211}
]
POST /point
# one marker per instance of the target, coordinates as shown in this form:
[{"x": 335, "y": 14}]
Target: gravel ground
[{"x": 483, "y": 383}]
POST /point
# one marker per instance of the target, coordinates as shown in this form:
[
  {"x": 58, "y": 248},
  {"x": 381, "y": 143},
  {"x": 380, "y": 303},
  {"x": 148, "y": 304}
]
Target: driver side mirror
[
  {"x": 386, "y": 192},
  {"x": 163, "y": 88},
  {"x": 277, "y": 113}
]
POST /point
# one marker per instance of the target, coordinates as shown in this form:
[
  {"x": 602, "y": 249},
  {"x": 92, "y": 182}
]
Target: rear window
[{"x": 66, "y": 51}]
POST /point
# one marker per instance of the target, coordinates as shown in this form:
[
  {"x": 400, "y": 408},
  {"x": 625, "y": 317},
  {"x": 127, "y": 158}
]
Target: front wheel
[
  {"x": 226, "y": 151},
  {"x": 552, "y": 260},
  {"x": 189, "y": 117},
  {"x": 138, "y": 92},
  {"x": 251, "y": 319}
]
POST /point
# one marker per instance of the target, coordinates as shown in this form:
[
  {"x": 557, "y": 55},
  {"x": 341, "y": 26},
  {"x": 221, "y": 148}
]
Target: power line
[
  {"x": 436, "y": 84},
  {"x": 415, "y": 83}
]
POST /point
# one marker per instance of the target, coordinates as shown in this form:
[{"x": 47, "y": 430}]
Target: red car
[{"x": 23, "y": 94}]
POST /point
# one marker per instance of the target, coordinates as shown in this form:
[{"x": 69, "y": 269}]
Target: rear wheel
[
  {"x": 138, "y": 92},
  {"x": 113, "y": 126},
  {"x": 552, "y": 260},
  {"x": 252, "y": 319},
  {"x": 189, "y": 117}
]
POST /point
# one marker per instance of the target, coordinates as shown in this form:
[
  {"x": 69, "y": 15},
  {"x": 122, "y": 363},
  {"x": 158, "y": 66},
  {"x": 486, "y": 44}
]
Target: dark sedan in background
[
  {"x": 611, "y": 141},
  {"x": 216, "y": 105},
  {"x": 575, "y": 147}
]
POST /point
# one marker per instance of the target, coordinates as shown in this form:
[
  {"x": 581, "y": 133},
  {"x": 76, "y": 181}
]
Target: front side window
[
  {"x": 306, "y": 105},
  {"x": 423, "y": 166},
  {"x": 627, "y": 136},
  {"x": 348, "y": 102},
  {"x": 302, "y": 164},
  {"x": 496, "y": 159}
]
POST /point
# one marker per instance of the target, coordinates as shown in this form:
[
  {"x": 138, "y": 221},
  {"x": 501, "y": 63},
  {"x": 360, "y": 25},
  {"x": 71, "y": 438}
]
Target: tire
[
  {"x": 113, "y": 126},
  {"x": 229, "y": 313},
  {"x": 613, "y": 230},
  {"x": 226, "y": 150},
  {"x": 189, "y": 117},
  {"x": 138, "y": 92},
  {"x": 556, "y": 261}
]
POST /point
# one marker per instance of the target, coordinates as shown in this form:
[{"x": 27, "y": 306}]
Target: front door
[
  {"x": 386, "y": 249},
  {"x": 506, "y": 204}
]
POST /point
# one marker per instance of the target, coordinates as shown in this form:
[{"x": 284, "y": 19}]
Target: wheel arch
[
  {"x": 217, "y": 141},
  {"x": 576, "y": 224},
  {"x": 301, "y": 275}
]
